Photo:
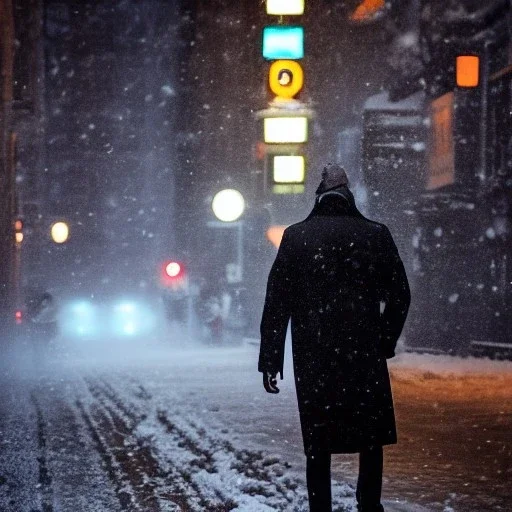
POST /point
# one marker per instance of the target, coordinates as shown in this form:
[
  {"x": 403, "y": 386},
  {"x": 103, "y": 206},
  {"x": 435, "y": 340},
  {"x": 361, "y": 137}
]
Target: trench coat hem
[{"x": 347, "y": 449}]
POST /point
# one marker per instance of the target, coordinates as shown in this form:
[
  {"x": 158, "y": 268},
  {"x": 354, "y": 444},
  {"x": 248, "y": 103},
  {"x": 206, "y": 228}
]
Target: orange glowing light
[
  {"x": 275, "y": 235},
  {"x": 367, "y": 10},
  {"x": 467, "y": 70}
]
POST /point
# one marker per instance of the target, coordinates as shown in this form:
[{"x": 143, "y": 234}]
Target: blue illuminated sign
[{"x": 283, "y": 42}]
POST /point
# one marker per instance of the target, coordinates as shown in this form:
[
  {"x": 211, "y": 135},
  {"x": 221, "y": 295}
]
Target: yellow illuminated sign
[
  {"x": 285, "y": 7},
  {"x": 285, "y": 78},
  {"x": 288, "y": 188},
  {"x": 279, "y": 130},
  {"x": 467, "y": 70},
  {"x": 288, "y": 169}
]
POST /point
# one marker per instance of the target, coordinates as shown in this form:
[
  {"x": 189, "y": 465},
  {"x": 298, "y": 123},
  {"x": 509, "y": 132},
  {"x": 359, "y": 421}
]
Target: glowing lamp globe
[
  {"x": 228, "y": 205},
  {"x": 59, "y": 232}
]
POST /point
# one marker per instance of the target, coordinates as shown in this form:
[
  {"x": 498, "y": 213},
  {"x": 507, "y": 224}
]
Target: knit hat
[{"x": 333, "y": 176}]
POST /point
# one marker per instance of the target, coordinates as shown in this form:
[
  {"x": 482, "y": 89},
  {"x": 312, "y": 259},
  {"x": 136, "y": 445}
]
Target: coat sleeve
[
  {"x": 396, "y": 294},
  {"x": 276, "y": 312}
]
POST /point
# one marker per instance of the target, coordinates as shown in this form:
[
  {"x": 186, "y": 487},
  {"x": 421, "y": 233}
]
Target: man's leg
[
  {"x": 369, "y": 483},
  {"x": 318, "y": 475}
]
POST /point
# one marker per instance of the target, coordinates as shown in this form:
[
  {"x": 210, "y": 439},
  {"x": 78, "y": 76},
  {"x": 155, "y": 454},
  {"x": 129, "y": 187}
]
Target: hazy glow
[
  {"x": 368, "y": 10},
  {"x": 288, "y": 169},
  {"x": 285, "y": 7},
  {"x": 275, "y": 235},
  {"x": 285, "y": 129},
  {"x": 59, "y": 232},
  {"x": 129, "y": 328},
  {"x": 19, "y": 237},
  {"x": 79, "y": 319},
  {"x": 125, "y": 307},
  {"x": 131, "y": 319},
  {"x": 228, "y": 205}
]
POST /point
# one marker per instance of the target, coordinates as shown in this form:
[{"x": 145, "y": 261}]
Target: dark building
[
  {"x": 462, "y": 244},
  {"x": 21, "y": 142}
]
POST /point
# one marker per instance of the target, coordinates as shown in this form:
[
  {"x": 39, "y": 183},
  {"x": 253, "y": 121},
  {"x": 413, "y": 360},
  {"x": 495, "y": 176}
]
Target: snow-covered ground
[{"x": 170, "y": 427}]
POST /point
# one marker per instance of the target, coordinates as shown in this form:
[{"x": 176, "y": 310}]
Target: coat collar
[{"x": 339, "y": 201}]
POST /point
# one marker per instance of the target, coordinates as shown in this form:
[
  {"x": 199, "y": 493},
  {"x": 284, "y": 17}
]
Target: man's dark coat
[{"x": 331, "y": 273}]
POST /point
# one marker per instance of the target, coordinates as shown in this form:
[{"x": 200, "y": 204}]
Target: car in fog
[{"x": 123, "y": 316}]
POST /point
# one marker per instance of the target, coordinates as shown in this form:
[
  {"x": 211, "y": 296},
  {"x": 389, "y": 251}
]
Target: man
[{"x": 340, "y": 279}]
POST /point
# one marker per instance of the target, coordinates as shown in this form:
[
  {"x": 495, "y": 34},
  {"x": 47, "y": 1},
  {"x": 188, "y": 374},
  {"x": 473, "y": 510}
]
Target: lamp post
[{"x": 228, "y": 205}]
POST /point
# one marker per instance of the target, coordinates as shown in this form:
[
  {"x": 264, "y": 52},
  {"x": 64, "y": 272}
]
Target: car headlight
[
  {"x": 79, "y": 319},
  {"x": 131, "y": 319}
]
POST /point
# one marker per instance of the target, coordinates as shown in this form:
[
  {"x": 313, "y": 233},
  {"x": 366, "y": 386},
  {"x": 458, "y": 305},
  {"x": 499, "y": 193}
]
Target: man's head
[{"x": 333, "y": 177}]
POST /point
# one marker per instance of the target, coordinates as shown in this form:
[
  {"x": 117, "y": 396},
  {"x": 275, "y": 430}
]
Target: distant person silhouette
[{"x": 339, "y": 278}]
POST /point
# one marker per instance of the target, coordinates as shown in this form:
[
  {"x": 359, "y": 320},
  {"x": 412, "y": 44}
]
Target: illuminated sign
[
  {"x": 441, "y": 164},
  {"x": 283, "y": 42},
  {"x": 288, "y": 169},
  {"x": 467, "y": 70},
  {"x": 285, "y": 78},
  {"x": 285, "y": 7},
  {"x": 285, "y": 129}
]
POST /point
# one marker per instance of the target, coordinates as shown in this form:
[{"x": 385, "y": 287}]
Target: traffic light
[
  {"x": 18, "y": 231},
  {"x": 173, "y": 275}
]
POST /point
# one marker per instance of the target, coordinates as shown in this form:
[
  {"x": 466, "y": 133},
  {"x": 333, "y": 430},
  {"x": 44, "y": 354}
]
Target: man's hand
[{"x": 270, "y": 382}]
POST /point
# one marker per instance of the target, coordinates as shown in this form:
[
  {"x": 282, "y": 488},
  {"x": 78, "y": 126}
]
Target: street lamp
[
  {"x": 59, "y": 232},
  {"x": 228, "y": 205}
]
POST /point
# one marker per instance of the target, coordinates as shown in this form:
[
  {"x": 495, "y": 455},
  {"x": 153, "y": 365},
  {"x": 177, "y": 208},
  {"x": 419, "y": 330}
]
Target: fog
[{"x": 129, "y": 347}]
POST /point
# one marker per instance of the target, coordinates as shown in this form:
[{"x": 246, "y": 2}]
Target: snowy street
[
  {"x": 163, "y": 429},
  {"x": 180, "y": 178}
]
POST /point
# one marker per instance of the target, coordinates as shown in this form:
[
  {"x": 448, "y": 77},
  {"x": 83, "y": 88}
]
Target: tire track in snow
[
  {"x": 129, "y": 458},
  {"x": 183, "y": 488},
  {"x": 192, "y": 454},
  {"x": 45, "y": 480},
  {"x": 204, "y": 468},
  {"x": 203, "y": 461},
  {"x": 260, "y": 471},
  {"x": 192, "y": 496}
]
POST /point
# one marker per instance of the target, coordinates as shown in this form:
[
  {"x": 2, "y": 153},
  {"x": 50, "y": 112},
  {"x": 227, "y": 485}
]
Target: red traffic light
[
  {"x": 173, "y": 274},
  {"x": 173, "y": 269}
]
